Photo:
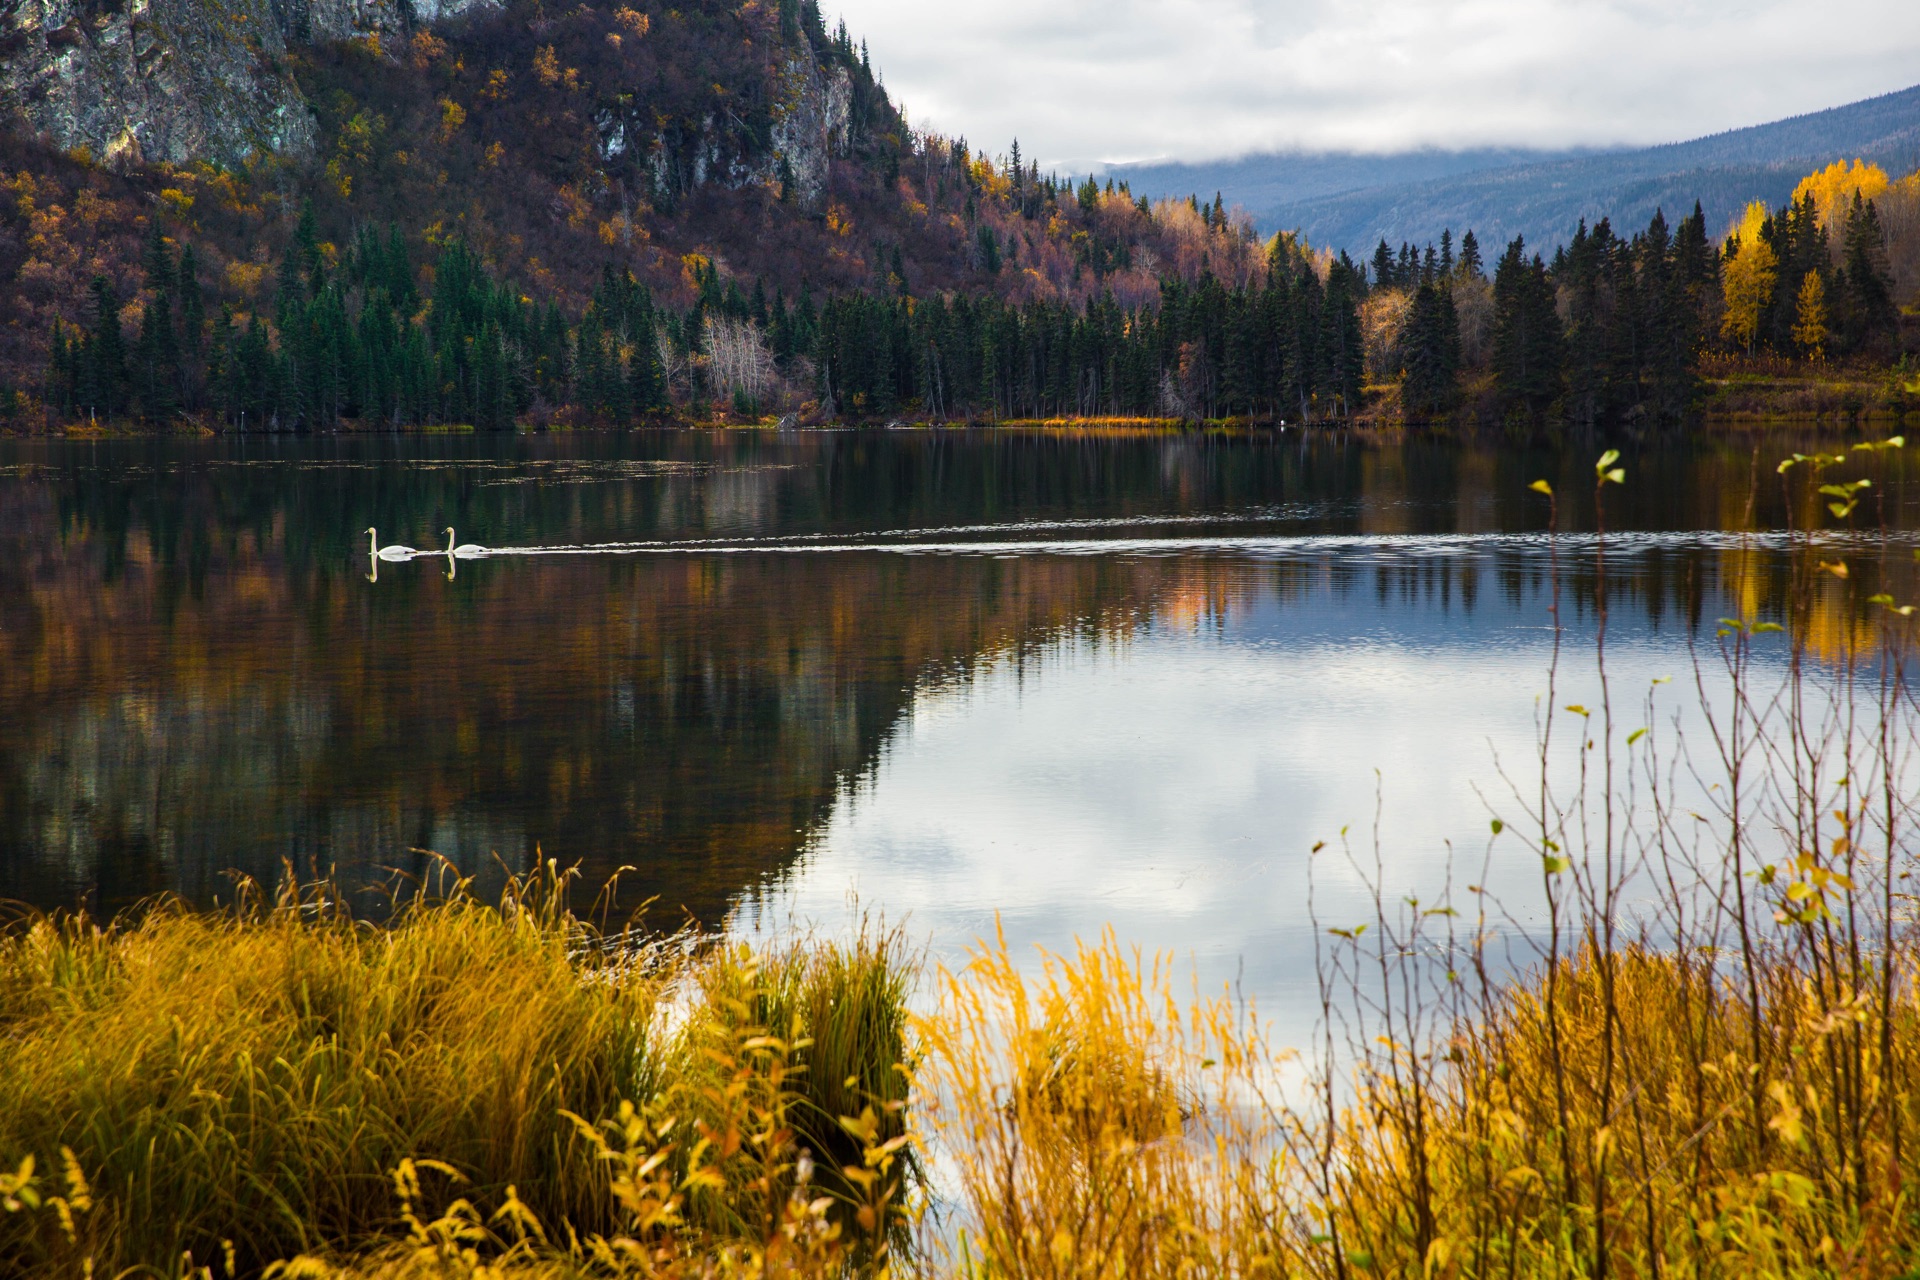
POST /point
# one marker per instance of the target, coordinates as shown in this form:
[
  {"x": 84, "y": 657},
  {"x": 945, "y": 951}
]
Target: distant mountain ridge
[{"x": 1544, "y": 195}]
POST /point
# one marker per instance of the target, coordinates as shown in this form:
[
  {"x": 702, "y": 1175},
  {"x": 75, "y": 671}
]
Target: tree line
[
  {"x": 1611, "y": 330},
  {"x": 1614, "y": 329},
  {"x": 360, "y": 340},
  {"x": 1284, "y": 347}
]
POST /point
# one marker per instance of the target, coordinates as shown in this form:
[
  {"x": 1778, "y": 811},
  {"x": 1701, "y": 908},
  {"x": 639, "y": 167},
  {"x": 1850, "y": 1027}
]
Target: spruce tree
[
  {"x": 1431, "y": 341},
  {"x": 158, "y": 360},
  {"x": 1872, "y": 320},
  {"x": 104, "y": 377},
  {"x": 1470, "y": 263},
  {"x": 1526, "y": 334}
]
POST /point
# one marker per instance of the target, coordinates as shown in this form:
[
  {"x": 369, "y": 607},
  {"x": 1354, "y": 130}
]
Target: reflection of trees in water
[
  {"x": 689, "y": 717},
  {"x": 195, "y": 678}
]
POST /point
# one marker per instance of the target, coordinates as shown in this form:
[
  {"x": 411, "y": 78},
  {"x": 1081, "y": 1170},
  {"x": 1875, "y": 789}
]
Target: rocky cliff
[{"x": 179, "y": 80}]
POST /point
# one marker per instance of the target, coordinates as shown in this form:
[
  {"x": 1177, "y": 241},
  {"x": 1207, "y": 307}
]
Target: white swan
[
  {"x": 395, "y": 552},
  {"x": 466, "y": 550}
]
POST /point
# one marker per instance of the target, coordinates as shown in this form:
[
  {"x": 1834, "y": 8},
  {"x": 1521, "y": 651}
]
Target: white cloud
[{"x": 1079, "y": 81}]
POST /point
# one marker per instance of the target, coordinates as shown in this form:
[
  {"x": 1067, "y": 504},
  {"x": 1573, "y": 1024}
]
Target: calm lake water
[{"x": 1068, "y": 679}]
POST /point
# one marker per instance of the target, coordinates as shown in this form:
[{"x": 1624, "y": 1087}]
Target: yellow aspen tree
[
  {"x": 1832, "y": 188},
  {"x": 1810, "y": 317},
  {"x": 1749, "y": 284}
]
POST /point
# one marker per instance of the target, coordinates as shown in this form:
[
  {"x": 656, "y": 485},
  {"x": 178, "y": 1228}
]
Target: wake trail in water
[{"x": 1266, "y": 546}]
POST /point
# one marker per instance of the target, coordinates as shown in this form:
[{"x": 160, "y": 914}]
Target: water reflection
[{"x": 1092, "y": 653}]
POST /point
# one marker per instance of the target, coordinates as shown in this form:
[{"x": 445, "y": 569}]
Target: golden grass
[
  {"x": 449, "y": 1097},
  {"x": 240, "y": 1088}
]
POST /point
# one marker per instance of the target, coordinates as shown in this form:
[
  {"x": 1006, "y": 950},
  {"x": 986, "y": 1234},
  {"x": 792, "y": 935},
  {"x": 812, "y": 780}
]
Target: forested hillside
[
  {"x": 499, "y": 211},
  {"x": 618, "y": 215}
]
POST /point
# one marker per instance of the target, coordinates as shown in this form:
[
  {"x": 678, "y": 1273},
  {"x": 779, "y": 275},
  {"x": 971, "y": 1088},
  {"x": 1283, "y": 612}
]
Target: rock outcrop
[
  {"x": 810, "y": 126},
  {"x": 178, "y": 80},
  {"x": 152, "y": 79},
  {"x": 811, "y": 117}
]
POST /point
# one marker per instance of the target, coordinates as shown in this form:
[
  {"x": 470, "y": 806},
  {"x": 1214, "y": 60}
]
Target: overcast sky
[{"x": 1080, "y": 81}]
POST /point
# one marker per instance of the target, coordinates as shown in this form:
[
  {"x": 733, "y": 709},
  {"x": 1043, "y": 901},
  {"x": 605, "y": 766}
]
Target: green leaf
[
  {"x": 1498, "y": 826},
  {"x": 1607, "y": 459},
  {"x": 1554, "y": 866},
  {"x": 1618, "y": 475},
  {"x": 1758, "y": 627},
  {"x": 1635, "y": 736},
  {"x": 1882, "y": 598}
]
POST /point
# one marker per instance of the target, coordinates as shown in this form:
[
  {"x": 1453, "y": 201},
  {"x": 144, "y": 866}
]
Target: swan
[
  {"x": 394, "y": 552},
  {"x": 466, "y": 550}
]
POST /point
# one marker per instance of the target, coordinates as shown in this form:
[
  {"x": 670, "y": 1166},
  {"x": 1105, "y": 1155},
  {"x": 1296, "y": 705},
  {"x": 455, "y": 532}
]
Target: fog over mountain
[
  {"x": 1352, "y": 201},
  {"x": 1081, "y": 83}
]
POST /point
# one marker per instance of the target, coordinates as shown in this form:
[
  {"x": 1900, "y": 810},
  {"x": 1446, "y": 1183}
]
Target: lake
[{"x": 1060, "y": 680}]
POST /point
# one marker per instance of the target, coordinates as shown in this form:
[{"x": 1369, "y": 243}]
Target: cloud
[{"x": 1080, "y": 82}]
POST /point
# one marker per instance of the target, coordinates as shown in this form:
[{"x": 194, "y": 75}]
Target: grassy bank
[
  {"x": 1738, "y": 389},
  {"x": 216, "y": 1095},
  {"x": 236, "y": 1089}
]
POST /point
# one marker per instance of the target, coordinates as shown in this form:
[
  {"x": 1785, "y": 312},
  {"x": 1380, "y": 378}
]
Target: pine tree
[
  {"x": 104, "y": 363},
  {"x": 158, "y": 360},
  {"x": 1526, "y": 334},
  {"x": 1872, "y": 319},
  {"x": 1431, "y": 341},
  {"x": 192, "y": 314},
  {"x": 157, "y": 356},
  {"x": 1470, "y": 263},
  {"x": 1383, "y": 277}
]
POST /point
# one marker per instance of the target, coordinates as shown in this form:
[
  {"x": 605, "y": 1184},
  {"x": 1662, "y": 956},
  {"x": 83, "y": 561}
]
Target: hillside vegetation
[
  {"x": 619, "y": 215},
  {"x": 619, "y": 161}
]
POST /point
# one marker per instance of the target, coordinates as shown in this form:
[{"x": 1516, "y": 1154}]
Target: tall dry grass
[
  {"x": 1698, "y": 1059},
  {"x": 240, "y": 1088}
]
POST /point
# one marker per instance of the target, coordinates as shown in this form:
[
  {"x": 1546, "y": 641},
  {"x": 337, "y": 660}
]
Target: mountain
[
  {"x": 1543, "y": 196},
  {"x": 287, "y": 214},
  {"x": 1259, "y": 183}
]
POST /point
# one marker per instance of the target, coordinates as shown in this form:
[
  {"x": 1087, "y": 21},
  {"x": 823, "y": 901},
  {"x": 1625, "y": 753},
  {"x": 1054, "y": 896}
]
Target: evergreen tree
[
  {"x": 103, "y": 362},
  {"x": 1383, "y": 276},
  {"x": 1470, "y": 263},
  {"x": 1431, "y": 343},
  {"x": 1872, "y": 320},
  {"x": 1526, "y": 334}
]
